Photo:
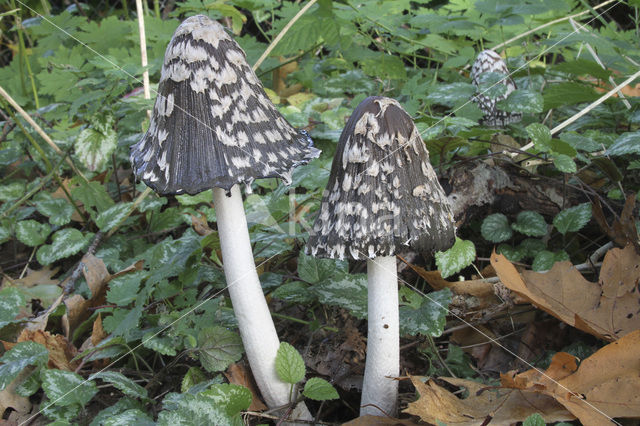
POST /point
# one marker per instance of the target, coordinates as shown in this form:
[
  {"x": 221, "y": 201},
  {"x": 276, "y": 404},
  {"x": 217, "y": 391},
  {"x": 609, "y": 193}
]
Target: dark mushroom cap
[
  {"x": 382, "y": 193},
  {"x": 212, "y": 123},
  {"x": 490, "y": 61}
]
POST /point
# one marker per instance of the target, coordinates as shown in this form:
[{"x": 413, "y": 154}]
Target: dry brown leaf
[
  {"x": 606, "y": 385},
  {"x": 237, "y": 374},
  {"x": 95, "y": 273},
  {"x": 623, "y": 229},
  {"x": 61, "y": 351},
  {"x": 379, "y": 421},
  {"x": 608, "y": 309},
  {"x": 38, "y": 277},
  {"x": 501, "y": 406},
  {"x": 10, "y": 399},
  {"x": 200, "y": 225},
  {"x": 97, "y": 334}
]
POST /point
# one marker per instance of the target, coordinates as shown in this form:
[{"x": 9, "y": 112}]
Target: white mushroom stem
[
  {"x": 256, "y": 327},
  {"x": 379, "y": 389}
]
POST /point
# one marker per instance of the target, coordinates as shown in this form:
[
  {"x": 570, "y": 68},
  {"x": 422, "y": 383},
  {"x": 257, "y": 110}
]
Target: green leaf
[
  {"x": 578, "y": 141},
  {"x": 17, "y": 358},
  {"x": 495, "y": 228},
  {"x": 122, "y": 383},
  {"x": 289, "y": 364},
  {"x": 65, "y": 388},
  {"x": 564, "y": 163},
  {"x": 319, "y": 390},
  {"x": 573, "y": 218},
  {"x": 219, "y": 348},
  {"x": 458, "y": 257},
  {"x": 192, "y": 377},
  {"x": 451, "y": 94},
  {"x": 110, "y": 217},
  {"x": 96, "y": 143},
  {"x": 66, "y": 242},
  {"x": 58, "y": 210},
  {"x": 204, "y": 197},
  {"x": 540, "y": 136},
  {"x": 627, "y": 143},
  {"x": 348, "y": 291},
  {"x": 583, "y": 67},
  {"x": 430, "y": 318},
  {"x": 93, "y": 196},
  {"x": 522, "y": 100},
  {"x": 567, "y": 93},
  {"x": 545, "y": 259},
  {"x": 5, "y": 234},
  {"x": 534, "y": 420},
  {"x": 294, "y": 292},
  {"x": 530, "y": 223},
  {"x": 233, "y": 398},
  {"x": 531, "y": 247},
  {"x": 32, "y": 233},
  {"x": 12, "y": 191},
  {"x": 164, "y": 345},
  {"x": 124, "y": 289},
  {"x": 11, "y": 300},
  {"x": 314, "y": 270},
  {"x": 133, "y": 416}
]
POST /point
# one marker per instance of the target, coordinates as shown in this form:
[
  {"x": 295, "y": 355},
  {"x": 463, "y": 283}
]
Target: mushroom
[
  {"x": 382, "y": 196},
  {"x": 489, "y": 61},
  {"x": 213, "y": 126}
]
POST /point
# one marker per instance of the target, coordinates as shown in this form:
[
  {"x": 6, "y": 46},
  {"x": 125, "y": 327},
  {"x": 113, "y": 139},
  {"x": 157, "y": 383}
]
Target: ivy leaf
[
  {"x": 495, "y": 228},
  {"x": 219, "y": 348},
  {"x": 110, "y": 217},
  {"x": 564, "y": 163},
  {"x": 627, "y": 143},
  {"x": 458, "y": 257},
  {"x": 96, "y": 143},
  {"x": 530, "y": 223},
  {"x": 289, "y": 364},
  {"x": 32, "y": 233},
  {"x": 540, "y": 136},
  {"x": 122, "y": 383},
  {"x": 545, "y": 259},
  {"x": 573, "y": 218},
  {"x": 65, "y": 388},
  {"x": 430, "y": 318},
  {"x": 58, "y": 210},
  {"x": 17, "y": 358},
  {"x": 524, "y": 101},
  {"x": 319, "y": 390},
  {"x": 66, "y": 242}
]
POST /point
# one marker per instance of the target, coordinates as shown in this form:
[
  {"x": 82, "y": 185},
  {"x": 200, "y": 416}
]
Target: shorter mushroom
[
  {"x": 489, "y": 61},
  {"x": 213, "y": 126},
  {"x": 382, "y": 196}
]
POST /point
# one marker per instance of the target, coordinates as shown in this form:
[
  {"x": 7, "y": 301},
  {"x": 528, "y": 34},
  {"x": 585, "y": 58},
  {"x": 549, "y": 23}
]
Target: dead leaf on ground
[
  {"x": 61, "y": 351},
  {"x": 623, "y": 229},
  {"x": 200, "y": 225},
  {"x": 42, "y": 276},
  {"x": 10, "y": 399},
  {"x": 379, "y": 421},
  {"x": 608, "y": 309},
  {"x": 606, "y": 385},
  {"x": 237, "y": 374},
  {"x": 500, "y": 406}
]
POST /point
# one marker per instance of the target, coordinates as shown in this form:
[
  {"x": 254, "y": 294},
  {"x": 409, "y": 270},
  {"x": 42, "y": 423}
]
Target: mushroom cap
[
  {"x": 383, "y": 193},
  {"x": 212, "y": 124},
  {"x": 490, "y": 61}
]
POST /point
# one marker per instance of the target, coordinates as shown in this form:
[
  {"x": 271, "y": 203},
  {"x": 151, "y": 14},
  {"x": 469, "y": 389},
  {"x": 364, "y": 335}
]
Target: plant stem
[{"x": 379, "y": 389}]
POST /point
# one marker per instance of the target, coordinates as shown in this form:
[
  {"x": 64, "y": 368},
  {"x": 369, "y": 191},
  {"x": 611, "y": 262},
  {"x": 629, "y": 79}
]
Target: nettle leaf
[
  {"x": 522, "y": 100},
  {"x": 314, "y": 270},
  {"x": 289, "y": 364},
  {"x": 578, "y": 141},
  {"x": 534, "y": 420},
  {"x": 451, "y": 94},
  {"x": 495, "y": 228},
  {"x": 122, "y": 383},
  {"x": 192, "y": 377},
  {"x": 567, "y": 93},
  {"x": 5, "y": 233},
  {"x": 627, "y": 143},
  {"x": 573, "y": 218},
  {"x": 66, "y": 242},
  {"x": 133, "y": 416},
  {"x": 319, "y": 390},
  {"x": 458, "y": 257},
  {"x": 430, "y": 318},
  {"x": 545, "y": 259},
  {"x": 348, "y": 291},
  {"x": 164, "y": 345},
  {"x": 530, "y": 223},
  {"x": 20, "y": 356},
  {"x": 540, "y": 136},
  {"x": 219, "y": 348},
  {"x": 232, "y": 398},
  {"x": 96, "y": 143},
  {"x": 514, "y": 254},
  {"x": 294, "y": 292},
  {"x": 109, "y": 218},
  {"x": 564, "y": 163},
  {"x": 93, "y": 196},
  {"x": 58, "y": 210},
  {"x": 12, "y": 191},
  {"x": 32, "y": 233},
  {"x": 11, "y": 300},
  {"x": 124, "y": 289},
  {"x": 65, "y": 388},
  {"x": 531, "y": 246}
]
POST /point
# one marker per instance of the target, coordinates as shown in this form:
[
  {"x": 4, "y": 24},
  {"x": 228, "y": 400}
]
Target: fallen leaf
[
  {"x": 606, "y": 385},
  {"x": 10, "y": 399},
  {"x": 97, "y": 334},
  {"x": 61, "y": 351},
  {"x": 237, "y": 374},
  {"x": 379, "y": 421},
  {"x": 39, "y": 277},
  {"x": 500, "y": 406},
  {"x": 608, "y": 309},
  {"x": 623, "y": 229},
  {"x": 200, "y": 225}
]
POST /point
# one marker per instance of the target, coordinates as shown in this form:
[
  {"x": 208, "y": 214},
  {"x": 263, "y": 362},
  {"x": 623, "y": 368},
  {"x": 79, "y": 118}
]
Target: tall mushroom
[
  {"x": 489, "y": 61},
  {"x": 382, "y": 196},
  {"x": 213, "y": 126}
]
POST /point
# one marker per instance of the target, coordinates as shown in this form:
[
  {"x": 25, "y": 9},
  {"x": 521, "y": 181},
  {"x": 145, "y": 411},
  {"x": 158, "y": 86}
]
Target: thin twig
[
  {"x": 143, "y": 51},
  {"x": 282, "y": 33}
]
